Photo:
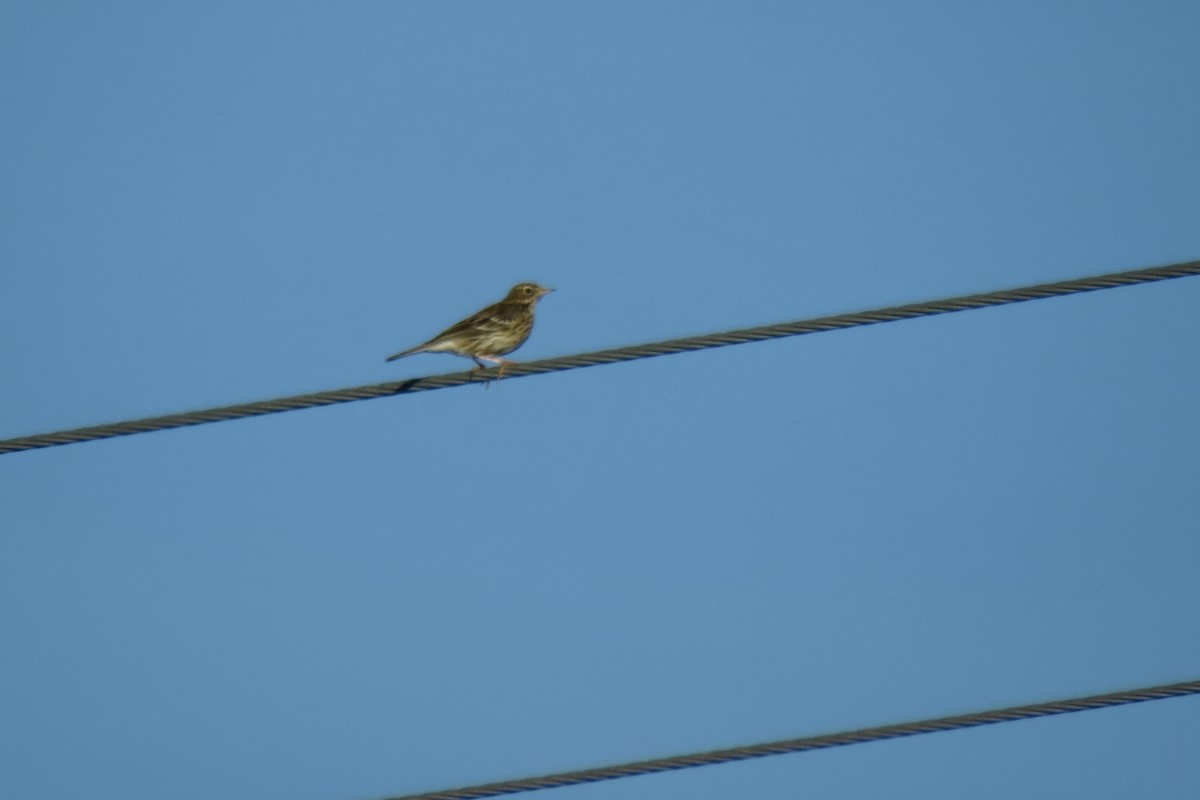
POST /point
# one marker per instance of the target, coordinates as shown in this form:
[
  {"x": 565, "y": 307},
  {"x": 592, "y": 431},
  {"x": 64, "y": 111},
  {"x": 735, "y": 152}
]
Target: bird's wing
[{"x": 496, "y": 317}]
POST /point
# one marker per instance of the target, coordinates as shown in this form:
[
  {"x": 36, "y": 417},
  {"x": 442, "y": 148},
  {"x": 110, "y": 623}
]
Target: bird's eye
[{"x": 528, "y": 290}]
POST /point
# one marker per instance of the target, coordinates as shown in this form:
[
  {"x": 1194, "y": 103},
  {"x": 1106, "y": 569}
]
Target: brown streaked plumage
[{"x": 490, "y": 333}]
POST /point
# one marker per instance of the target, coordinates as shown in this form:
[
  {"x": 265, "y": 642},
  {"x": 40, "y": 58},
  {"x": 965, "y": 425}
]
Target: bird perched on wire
[{"x": 490, "y": 333}]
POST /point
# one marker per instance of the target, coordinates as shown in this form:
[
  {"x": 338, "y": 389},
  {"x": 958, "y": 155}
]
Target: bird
[{"x": 489, "y": 333}]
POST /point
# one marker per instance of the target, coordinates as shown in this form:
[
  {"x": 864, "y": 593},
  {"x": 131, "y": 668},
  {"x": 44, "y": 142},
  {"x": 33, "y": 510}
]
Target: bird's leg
[
  {"x": 502, "y": 364},
  {"x": 479, "y": 367}
]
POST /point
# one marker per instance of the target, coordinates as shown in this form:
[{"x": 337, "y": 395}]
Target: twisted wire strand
[
  {"x": 859, "y": 736},
  {"x": 611, "y": 356}
]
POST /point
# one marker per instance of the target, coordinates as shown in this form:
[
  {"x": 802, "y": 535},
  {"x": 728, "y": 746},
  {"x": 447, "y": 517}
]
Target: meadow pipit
[{"x": 488, "y": 334}]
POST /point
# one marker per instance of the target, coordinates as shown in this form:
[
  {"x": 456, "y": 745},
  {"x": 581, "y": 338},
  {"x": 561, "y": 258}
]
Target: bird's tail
[{"x": 410, "y": 351}]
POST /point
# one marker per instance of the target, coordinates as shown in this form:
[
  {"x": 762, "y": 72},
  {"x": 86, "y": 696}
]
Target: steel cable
[
  {"x": 859, "y": 736},
  {"x": 612, "y": 356}
]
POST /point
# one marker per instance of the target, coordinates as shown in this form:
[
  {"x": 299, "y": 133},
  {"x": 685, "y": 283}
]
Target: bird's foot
[{"x": 487, "y": 379}]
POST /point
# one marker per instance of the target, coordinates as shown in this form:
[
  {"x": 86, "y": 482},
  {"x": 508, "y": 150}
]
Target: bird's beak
[{"x": 546, "y": 290}]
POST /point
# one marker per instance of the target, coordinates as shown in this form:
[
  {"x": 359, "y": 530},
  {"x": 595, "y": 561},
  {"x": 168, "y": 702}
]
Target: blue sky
[{"x": 219, "y": 203}]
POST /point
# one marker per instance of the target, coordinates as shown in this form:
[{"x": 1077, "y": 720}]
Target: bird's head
[{"x": 526, "y": 293}]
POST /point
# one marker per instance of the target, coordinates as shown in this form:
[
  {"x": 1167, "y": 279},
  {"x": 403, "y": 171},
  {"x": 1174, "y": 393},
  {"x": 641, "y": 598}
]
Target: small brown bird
[{"x": 488, "y": 334}]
